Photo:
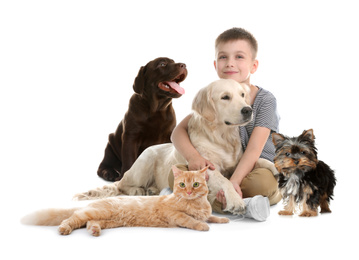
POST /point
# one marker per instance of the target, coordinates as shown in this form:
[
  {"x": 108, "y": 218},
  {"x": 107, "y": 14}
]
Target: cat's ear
[
  {"x": 176, "y": 172},
  {"x": 204, "y": 169}
]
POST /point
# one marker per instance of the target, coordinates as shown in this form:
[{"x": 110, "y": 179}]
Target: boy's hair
[{"x": 238, "y": 34}]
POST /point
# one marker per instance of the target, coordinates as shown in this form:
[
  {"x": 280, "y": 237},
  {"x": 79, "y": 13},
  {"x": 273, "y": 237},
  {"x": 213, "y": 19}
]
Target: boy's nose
[{"x": 229, "y": 63}]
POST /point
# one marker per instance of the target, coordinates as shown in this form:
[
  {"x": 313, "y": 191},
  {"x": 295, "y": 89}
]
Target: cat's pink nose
[{"x": 189, "y": 192}]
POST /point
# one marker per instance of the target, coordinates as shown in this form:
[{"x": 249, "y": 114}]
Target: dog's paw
[
  {"x": 136, "y": 191},
  {"x": 81, "y": 196},
  {"x": 308, "y": 214},
  {"x": 235, "y": 204},
  {"x": 89, "y": 195},
  {"x": 152, "y": 191},
  {"x": 285, "y": 213}
]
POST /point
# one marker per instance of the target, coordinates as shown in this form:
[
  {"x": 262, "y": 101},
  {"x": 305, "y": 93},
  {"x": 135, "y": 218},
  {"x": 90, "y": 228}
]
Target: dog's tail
[
  {"x": 48, "y": 217},
  {"x": 99, "y": 193}
]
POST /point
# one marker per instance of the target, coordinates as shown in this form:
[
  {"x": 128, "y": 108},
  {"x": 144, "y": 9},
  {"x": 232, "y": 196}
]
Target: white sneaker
[
  {"x": 257, "y": 208},
  {"x": 166, "y": 191}
]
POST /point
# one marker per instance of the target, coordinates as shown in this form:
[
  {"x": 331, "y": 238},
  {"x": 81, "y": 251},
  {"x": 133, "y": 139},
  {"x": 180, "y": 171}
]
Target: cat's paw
[
  {"x": 65, "y": 229},
  {"x": 94, "y": 229},
  {"x": 223, "y": 220},
  {"x": 201, "y": 226}
]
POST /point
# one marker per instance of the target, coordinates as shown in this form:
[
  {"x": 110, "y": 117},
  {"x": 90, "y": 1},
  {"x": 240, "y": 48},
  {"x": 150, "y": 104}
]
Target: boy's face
[{"x": 234, "y": 60}]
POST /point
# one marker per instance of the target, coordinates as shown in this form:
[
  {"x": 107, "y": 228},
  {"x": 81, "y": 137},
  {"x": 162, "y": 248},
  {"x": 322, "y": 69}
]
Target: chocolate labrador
[{"x": 150, "y": 117}]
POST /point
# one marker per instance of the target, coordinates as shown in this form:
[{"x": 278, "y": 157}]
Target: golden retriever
[{"x": 218, "y": 111}]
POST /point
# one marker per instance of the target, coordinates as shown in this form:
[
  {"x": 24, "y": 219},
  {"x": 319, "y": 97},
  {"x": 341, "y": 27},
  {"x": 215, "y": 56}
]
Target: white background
[{"x": 66, "y": 75}]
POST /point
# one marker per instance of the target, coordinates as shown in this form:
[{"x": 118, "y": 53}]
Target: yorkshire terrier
[{"x": 303, "y": 179}]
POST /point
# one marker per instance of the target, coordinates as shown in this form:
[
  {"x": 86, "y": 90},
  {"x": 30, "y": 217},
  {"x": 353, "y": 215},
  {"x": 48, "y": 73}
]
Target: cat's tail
[
  {"x": 48, "y": 217},
  {"x": 110, "y": 190}
]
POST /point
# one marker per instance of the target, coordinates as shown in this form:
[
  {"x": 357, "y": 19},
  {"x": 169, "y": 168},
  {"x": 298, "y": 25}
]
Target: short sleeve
[{"x": 267, "y": 114}]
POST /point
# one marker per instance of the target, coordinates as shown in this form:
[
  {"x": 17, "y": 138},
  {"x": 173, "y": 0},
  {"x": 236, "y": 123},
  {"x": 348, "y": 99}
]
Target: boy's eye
[
  {"x": 239, "y": 57},
  {"x": 196, "y": 184},
  {"x": 222, "y": 57},
  {"x": 182, "y": 185}
]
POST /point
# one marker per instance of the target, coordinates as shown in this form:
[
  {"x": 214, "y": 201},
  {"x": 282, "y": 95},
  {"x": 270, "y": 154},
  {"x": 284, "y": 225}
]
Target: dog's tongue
[{"x": 176, "y": 87}]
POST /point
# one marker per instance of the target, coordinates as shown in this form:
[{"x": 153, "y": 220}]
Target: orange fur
[{"x": 186, "y": 207}]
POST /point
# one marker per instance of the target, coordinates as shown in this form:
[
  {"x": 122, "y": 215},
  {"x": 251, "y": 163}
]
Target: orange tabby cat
[{"x": 186, "y": 207}]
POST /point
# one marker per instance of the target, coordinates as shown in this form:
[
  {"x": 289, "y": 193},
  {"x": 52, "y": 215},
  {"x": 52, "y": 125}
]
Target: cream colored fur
[{"x": 214, "y": 132}]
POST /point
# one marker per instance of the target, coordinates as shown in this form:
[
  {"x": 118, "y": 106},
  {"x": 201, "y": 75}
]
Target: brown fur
[
  {"x": 187, "y": 207},
  {"x": 149, "y": 120}
]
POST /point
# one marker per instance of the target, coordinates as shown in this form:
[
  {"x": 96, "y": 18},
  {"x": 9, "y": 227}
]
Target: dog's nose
[
  {"x": 246, "y": 111},
  {"x": 296, "y": 162},
  {"x": 182, "y": 65}
]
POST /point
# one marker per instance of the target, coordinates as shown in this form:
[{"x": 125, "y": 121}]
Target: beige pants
[{"x": 258, "y": 182}]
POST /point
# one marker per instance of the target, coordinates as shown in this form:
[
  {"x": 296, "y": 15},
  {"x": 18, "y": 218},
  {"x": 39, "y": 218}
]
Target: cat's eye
[
  {"x": 196, "y": 184},
  {"x": 287, "y": 154},
  {"x": 182, "y": 185}
]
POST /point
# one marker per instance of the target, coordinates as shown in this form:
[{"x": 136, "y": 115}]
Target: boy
[{"x": 236, "y": 51}]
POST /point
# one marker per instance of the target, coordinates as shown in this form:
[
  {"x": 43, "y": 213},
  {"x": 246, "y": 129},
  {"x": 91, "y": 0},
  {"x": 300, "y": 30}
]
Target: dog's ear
[
  {"x": 308, "y": 134},
  {"x": 307, "y": 137},
  {"x": 139, "y": 84},
  {"x": 277, "y": 139},
  {"x": 203, "y": 104}
]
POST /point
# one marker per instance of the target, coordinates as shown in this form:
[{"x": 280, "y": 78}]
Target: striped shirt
[{"x": 265, "y": 115}]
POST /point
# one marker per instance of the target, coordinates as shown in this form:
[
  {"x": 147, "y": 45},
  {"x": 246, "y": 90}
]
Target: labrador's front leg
[{"x": 217, "y": 182}]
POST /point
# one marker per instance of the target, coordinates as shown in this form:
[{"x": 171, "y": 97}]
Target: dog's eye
[
  {"x": 163, "y": 64},
  {"x": 287, "y": 154},
  {"x": 182, "y": 185},
  {"x": 242, "y": 94},
  {"x": 226, "y": 97},
  {"x": 303, "y": 152}
]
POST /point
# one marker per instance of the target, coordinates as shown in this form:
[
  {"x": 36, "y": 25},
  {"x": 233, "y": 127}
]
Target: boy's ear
[
  {"x": 254, "y": 66},
  {"x": 215, "y": 64}
]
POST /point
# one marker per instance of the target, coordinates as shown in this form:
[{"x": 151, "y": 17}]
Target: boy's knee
[{"x": 261, "y": 182}]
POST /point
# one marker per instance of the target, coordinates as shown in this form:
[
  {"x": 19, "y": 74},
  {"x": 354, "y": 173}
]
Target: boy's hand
[{"x": 198, "y": 163}]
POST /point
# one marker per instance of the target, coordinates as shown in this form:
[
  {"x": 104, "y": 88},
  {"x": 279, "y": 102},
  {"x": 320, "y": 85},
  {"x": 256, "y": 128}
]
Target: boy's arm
[
  {"x": 254, "y": 149},
  {"x": 182, "y": 143}
]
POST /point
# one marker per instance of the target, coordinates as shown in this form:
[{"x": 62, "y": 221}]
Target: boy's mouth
[{"x": 230, "y": 72}]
